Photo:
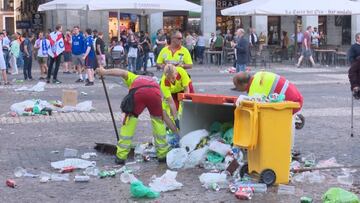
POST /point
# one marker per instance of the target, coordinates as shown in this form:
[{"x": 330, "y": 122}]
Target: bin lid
[
  {"x": 275, "y": 106},
  {"x": 214, "y": 99}
]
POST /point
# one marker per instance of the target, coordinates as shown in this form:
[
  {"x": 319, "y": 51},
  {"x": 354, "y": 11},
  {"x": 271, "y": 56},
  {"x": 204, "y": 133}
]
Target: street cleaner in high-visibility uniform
[
  {"x": 174, "y": 80},
  {"x": 267, "y": 83},
  {"x": 144, "y": 92}
]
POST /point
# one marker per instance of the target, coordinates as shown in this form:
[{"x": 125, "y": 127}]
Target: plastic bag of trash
[
  {"x": 196, "y": 157},
  {"x": 310, "y": 177},
  {"x": 77, "y": 163},
  {"x": 138, "y": 189},
  {"x": 209, "y": 178},
  {"x": 228, "y": 136},
  {"x": 167, "y": 182},
  {"x": 215, "y": 127},
  {"x": 339, "y": 195},
  {"x": 327, "y": 163},
  {"x": 190, "y": 140},
  {"x": 85, "y": 106},
  {"x": 39, "y": 87},
  {"x": 176, "y": 158},
  {"x": 219, "y": 147},
  {"x": 214, "y": 157},
  {"x": 19, "y": 108},
  {"x": 127, "y": 177}
]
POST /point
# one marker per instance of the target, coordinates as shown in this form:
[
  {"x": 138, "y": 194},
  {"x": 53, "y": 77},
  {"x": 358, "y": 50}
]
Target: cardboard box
[{"x": 70, "y": 97}]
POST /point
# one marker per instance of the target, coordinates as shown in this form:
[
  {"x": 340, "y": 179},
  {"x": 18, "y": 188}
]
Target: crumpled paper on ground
[{"x": 167, "y": 182}]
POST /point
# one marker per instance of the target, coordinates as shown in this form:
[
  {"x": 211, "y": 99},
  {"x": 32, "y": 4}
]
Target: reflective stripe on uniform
[
  {"x": 285, "y": 87},
  {"x": 274, "y": 85},
  {"x": 125, "y": 146},
  {"x": 125, "y": 137},
  {"x": 161, "y": 145}
]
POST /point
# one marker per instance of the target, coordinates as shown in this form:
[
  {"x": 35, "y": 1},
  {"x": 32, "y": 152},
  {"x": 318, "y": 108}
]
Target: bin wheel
[
  {"x": 300, "y": 121},
  {"x": 244, "y": 170},
  {"x": 268, "y": 177}
]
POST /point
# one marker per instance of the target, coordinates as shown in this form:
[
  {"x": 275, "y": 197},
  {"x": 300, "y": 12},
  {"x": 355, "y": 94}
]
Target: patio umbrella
[
  {"x": 64, "y": 5},
  {"x": 294, "y": 8}
]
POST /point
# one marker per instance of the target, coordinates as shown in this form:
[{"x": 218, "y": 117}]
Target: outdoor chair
[{"x": 118, "y": 58}]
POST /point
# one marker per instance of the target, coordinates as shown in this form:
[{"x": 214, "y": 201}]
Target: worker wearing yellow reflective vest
[
  {"x": 174, "y": 80},
  {"x": 147, "y": 95},
  {"x": 267, "y": 83}
]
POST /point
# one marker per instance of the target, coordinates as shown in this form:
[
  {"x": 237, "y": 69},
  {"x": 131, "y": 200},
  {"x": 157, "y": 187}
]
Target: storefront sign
[
  {"x": 146, "y": 5},
  {"x": 317, "y": 12},
  {"x": 24, "y": 24},
  {"x": 221, "y": 4}
]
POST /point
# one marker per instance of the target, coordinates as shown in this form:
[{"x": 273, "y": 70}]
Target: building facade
[
  {"x": 7, "y": 15},
  {"x": 338, "y": 29}
]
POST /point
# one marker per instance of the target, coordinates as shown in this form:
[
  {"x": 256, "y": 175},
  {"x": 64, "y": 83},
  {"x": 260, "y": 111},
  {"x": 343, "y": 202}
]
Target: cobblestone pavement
[{"x": 29, "y": 141}]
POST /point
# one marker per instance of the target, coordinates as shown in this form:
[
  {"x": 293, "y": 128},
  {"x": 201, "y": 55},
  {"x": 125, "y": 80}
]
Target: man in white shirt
[
  {"x": 253, "y": 39},
  {"x": 212, "y": 40},
  {"x": 6, "y": 47},
  {"x": 315, "y": 38}
]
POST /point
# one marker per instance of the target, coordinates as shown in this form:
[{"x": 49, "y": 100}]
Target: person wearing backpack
[{"x": 144, "y": 92}]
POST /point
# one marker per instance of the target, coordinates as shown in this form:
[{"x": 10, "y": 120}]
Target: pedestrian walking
[
  {"x": 100, "y": 50},
  {"x": 14, "y": 54},
  {"x": 43, "y": 46},
  {"x": 145, "y": 45},
  {"x": 27, "y": 55},
  {"x": 242, "y": 51},
  {"x": 2, "y": 61},
  {"x": 90, "y": 57},
  {"x": 306, "y": 47},
  {"x": 55, "y": 53},
  {"x": 354, "y": 71},
  {"x": 67, "y": 53},
  {"x": 133, "y": 53},
  {"x": 77, "y": 48},
  {"x": 6, "y": 49}
]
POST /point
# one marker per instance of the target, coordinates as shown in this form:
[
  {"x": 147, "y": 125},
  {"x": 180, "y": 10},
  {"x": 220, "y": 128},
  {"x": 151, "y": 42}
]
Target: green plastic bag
[
  {"x": 214, "y": 157},
  {"x": 338, "y": 195},
  {"x": 228, "y": 136},
  {"x": 138, "y": 189},
  {"x": 215, "y": 127},
  {"x": 226, "y": 126}
]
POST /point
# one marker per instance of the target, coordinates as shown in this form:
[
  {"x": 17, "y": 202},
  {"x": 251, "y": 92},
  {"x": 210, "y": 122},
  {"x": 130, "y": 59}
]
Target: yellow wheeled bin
[{"x": 265, "y": 130}]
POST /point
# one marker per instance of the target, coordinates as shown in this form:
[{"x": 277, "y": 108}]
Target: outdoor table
[
  {"x": 341, "y": 56},
  {"x": 325, "y": 56},
  {"x": 210, "y": 53}
]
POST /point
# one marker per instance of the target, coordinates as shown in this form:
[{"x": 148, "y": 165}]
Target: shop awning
[{"x": 294, "y": 8}]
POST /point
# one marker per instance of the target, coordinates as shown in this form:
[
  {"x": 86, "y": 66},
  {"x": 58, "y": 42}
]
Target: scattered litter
[
  {"x": 328, "y": 163},
  {"x": 346, "y": 178},
  {"x": 220, "y": 148},
  {"x": 60, "y": 177},
  {"x": 77, "y": 163},
  {"x": 196, "y": 157},
  {"x": 214, "y": 157},
  {"x": 88, "y": 155},
  {"x": 138, "y": 190},
  {"x": 309, "y": 160},
  {"x": 306, "y": 200},
  {"x": 228, "y": 70},
  {"x": 295, "y": 165},
  {"x": 192, "y": 139},
  {"x": 39, "y": 87},
  {"x": 11, "y": 183},
  {"x": 258, "y": 187},
  {"x": 207, "y": 179},
  {"x": 105, "y": 174},
  {"x": 82, "y": 179},
  {"x": 67, "y": 169},
  {"x": 311, "y": 177},
  {"x": 339, "y": 195},
  {"x": 167, "y": 182},
  {"x": 173, "y": 140},
  {"x": 26, "y": 107},
  {"x": 127, "y": 177},
  {"x": 21, "y": 172},
  {"x": 69, "y": 153},
  {"x": 55, "y": 152},
  {"x": 84, "y": 93},
  {"x": 176, "y": 158},
  {"x": 85, "y": 106},
  {"x": 286, "y": 190},
  {"x": 245, "y": 193},
  {"x": 44, "y": 177},
  {"x": 92, "y": 171}
]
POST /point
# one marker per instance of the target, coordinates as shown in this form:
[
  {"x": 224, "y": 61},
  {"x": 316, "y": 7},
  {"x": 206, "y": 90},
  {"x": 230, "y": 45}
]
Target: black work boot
[{"x": 119, "y": 161}]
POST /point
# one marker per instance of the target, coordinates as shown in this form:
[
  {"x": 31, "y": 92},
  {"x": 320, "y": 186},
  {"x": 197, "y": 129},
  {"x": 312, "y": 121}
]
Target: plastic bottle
[
  {"x": 82, "y": 178},
  {"x": 36, "y": 108},
  {"x": 258, "y": 187},
  {"x": 92, "y": 171},
  {"x": 19, "y": 172},
  {"x": 346, "y": 179}
]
